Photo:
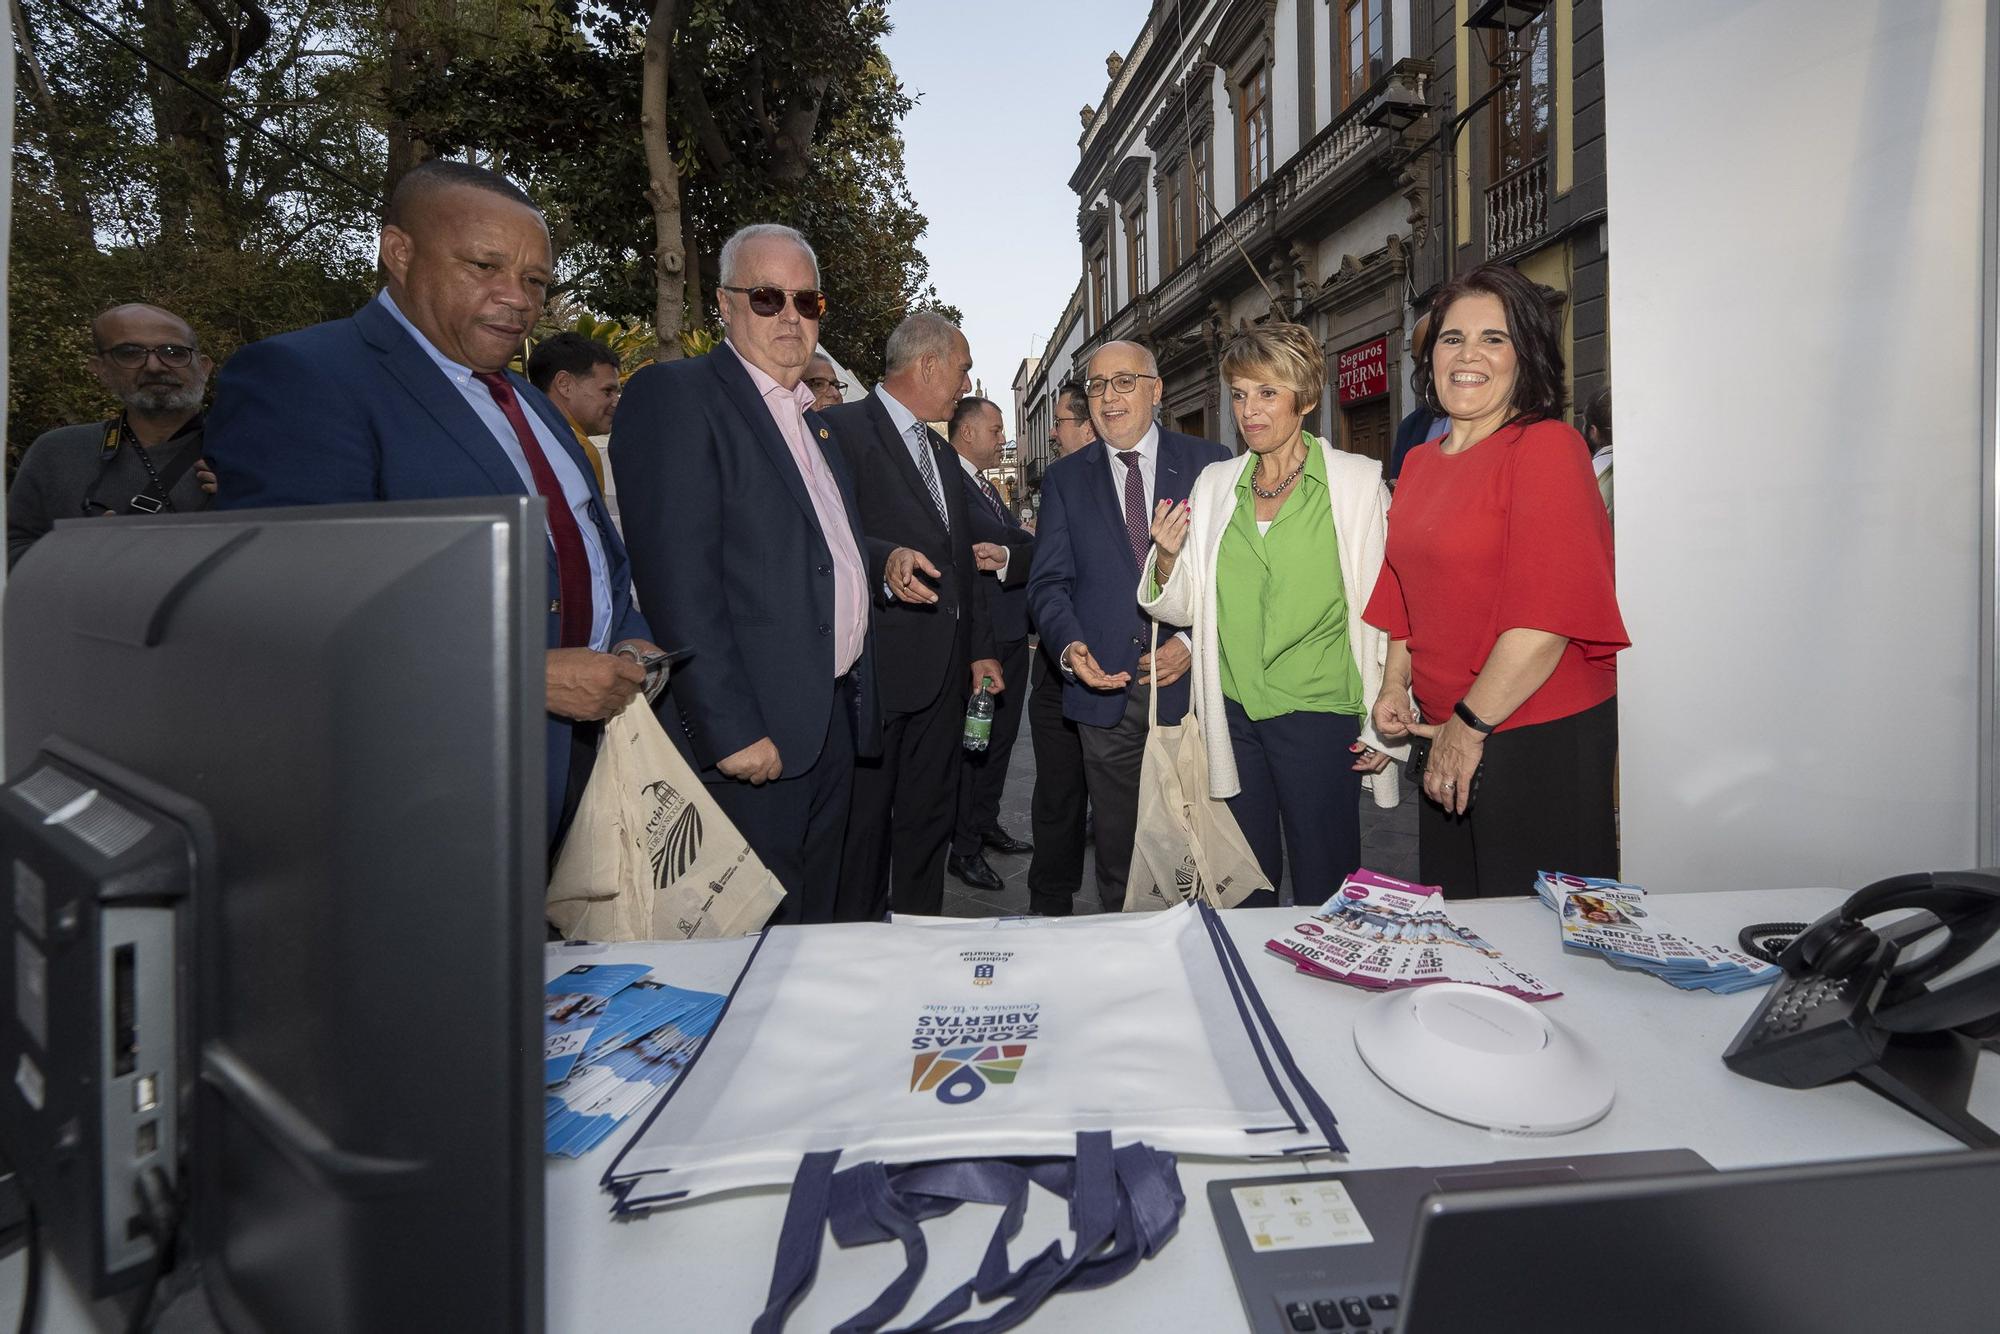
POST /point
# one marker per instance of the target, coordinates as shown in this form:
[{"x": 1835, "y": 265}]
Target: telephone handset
[{"x": 1856, "y": 1000}]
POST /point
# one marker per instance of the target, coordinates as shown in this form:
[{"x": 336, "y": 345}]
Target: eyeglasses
[
  {"x": 1095, "y": 386},
  {"x": 133, "y": 355},
  {"x": 819, "y": 384},
  {"x": 767, "y": 301},
  {"x": 1075, "y": 421}
]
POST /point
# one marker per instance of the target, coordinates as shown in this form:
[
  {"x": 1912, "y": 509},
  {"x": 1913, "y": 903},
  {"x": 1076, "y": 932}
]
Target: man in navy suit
[
  {"x": 1093, "y": 535},
  {"x": 934, "y": 649},
  {"x": 411, "y": 399},
  {"x": 739, "y": 505},
  {"x": 978, "y": 434}
]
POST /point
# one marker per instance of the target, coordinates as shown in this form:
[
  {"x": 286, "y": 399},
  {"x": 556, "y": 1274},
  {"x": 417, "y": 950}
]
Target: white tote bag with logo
[
  {"x": 905, "y": 1043},
  {"x": 650, "y": 856},
  {"x": 1187, "y": 845}
]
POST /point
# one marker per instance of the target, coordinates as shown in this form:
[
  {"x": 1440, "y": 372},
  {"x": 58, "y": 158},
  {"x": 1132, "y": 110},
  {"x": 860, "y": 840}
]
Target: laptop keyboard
[{"x": 1375, "y": 1313}]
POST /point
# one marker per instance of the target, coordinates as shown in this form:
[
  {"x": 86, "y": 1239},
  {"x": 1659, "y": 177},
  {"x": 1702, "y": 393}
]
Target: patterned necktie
[
  {"x": 572, "y": 562},
  {"x": 1136, "y": 528},
  {"x": 928, "y": 466},
  {"x": 993, "y": 499}
]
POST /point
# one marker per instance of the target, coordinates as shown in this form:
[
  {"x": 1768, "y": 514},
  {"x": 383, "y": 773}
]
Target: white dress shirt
[
  {"x": 1149, "y": 467},
  {"x": 575, "y": 485}
]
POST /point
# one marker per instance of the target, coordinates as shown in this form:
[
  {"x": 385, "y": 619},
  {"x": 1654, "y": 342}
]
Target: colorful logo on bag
[
  {"x": 673, "y": 833},
  {"x": 982, "y": 975},
  {"x": 960, "y": 1074}
]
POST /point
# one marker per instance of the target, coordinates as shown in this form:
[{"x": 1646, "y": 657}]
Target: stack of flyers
[
  {"x": 1612, "y": 919},
  {"x": 642, "y": 1041},
  {"x": 572, "y": 1005},
  {"x": 1380, "y": 932}
]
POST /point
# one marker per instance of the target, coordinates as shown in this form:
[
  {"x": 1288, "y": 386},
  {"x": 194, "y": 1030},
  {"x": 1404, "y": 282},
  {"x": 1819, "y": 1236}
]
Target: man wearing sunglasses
[
  {"x": 147, "y": 459},
  {"x": 746, "y": 541},
  {"x": 936, "y": 640},
  {"x": 1095, "y": 533},
  {"x": 411, "y": 399}
]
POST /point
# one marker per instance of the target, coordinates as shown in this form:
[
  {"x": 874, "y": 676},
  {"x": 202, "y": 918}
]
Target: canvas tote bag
[
  {"x": 1188, "y": 845},
  {"x": 650, "y": 855},
  {"x": 891, "y": 1071}
]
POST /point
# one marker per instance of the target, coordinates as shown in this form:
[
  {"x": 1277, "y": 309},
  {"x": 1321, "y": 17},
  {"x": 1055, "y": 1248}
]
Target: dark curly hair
[{"x": 1534, "y": 326}]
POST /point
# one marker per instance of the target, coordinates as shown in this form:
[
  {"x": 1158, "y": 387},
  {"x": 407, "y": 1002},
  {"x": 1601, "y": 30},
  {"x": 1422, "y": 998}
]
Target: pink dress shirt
[{"x": 850, "y": 596}]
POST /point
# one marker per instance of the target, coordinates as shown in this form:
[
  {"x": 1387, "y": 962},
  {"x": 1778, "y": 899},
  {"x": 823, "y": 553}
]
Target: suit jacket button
[
  {"x": 826, "y": 569},
  {"x": 826, "y": 629}
]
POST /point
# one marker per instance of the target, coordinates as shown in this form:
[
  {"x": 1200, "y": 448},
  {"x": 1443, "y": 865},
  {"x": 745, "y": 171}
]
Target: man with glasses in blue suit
[{"x": 1093, "y": 535}]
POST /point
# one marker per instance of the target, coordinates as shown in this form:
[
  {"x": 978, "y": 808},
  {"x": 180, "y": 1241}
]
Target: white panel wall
[{"x": 1797, "y": 328}]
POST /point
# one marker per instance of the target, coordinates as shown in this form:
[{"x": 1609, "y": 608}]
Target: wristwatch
[
  {"x": 1062, "y": 662},
  {"x": 1471, "y": 719}
]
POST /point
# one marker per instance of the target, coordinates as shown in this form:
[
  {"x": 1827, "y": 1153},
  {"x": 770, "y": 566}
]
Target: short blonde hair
[{"x": 1286, "y": 355}]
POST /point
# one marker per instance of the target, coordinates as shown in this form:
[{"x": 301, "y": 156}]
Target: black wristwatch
[{"x": 1471, "y": 719}]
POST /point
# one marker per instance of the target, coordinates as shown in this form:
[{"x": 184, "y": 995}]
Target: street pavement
[{"x": 1388, "y": 845}]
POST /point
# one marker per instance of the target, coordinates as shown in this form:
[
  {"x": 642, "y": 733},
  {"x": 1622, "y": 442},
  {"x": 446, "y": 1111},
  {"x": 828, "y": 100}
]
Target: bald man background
[
  {"x": 142, "y": 461},
  {"x": 1094, "y": 532},
  {"x": 411, "y": 399}
]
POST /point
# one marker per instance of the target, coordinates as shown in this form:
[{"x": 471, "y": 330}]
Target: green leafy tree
[{"x": 779, "y": 110}]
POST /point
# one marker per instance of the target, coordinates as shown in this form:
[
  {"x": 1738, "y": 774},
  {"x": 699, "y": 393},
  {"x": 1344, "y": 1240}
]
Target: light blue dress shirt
[{"x": 575, "y": 486}]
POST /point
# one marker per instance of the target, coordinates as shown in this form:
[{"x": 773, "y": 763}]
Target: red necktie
[{"x": 572, "y": 561}]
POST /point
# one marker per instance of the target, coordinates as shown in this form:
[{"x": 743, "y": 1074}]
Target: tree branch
[
  {"x": 75, "y": 202},
  {"x": 693, "y": 101}
]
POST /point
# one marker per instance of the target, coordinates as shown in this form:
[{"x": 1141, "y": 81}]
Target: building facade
[
  {"x": 1528, "y": 166},
  {"x": 1252, "y": 160}
]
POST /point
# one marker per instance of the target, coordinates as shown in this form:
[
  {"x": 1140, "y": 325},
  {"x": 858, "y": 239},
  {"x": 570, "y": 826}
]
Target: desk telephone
[{"x": 1856, "y": 1000}]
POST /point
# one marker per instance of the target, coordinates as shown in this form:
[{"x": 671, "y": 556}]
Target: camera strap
[{"x": 156, "y": 497}]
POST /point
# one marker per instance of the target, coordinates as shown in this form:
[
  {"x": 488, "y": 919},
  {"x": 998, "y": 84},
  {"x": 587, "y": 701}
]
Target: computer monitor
[{"x": 321, "y": 732}]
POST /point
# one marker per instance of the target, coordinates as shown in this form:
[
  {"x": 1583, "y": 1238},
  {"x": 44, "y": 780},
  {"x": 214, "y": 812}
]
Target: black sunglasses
[
  {"x": 810, "y": 303},
  {"x": 132, "y": 356}
]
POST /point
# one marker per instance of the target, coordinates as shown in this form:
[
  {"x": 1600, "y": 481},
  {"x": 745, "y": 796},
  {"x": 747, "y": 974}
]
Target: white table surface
[{"x": 706, "y": 1266}]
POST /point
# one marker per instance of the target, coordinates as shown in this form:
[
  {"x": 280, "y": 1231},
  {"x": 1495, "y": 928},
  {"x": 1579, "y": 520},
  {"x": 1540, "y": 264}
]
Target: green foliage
[
  {"x": 783, "y": 110},
  {"x": 128, "y": 186}
]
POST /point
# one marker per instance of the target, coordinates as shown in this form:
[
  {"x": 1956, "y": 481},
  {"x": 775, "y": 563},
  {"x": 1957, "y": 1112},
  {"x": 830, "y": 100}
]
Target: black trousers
[
  {"x": 1297, "y": 772},
  {"x": 899, "y": 826},
  {"x": 981, "y": 776},
  {"x": 1111, "y": 759},
  {"x": 1055, "y": 872},
  {"x": 798, "y": 823},
  {"x": 1543, "y": 804}
]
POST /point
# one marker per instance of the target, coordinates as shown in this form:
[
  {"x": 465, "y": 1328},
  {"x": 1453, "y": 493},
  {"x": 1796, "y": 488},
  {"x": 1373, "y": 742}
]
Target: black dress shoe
[
  {"x": 974, "y": 871},
  {"x": 997, "y": 839}
]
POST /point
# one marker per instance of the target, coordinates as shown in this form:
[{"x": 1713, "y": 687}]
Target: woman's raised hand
[{"x": 1170, "y": 525}]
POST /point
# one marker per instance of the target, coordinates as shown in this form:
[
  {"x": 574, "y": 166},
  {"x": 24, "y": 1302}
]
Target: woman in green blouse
[{"x": 1270, "y": 562}]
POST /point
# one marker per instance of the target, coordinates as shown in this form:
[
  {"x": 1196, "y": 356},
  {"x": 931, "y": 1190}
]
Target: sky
[{"x": 989, "y": 149}]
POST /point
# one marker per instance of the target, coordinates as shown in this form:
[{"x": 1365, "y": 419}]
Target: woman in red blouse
[{"x": 1498, "y": 599}]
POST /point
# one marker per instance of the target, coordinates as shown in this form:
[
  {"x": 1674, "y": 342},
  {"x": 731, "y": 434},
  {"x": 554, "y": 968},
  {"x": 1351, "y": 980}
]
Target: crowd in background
[{"x": 840, "y": 575}]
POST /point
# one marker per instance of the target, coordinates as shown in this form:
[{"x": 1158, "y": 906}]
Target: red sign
[{"x": 1364, "y": 371}]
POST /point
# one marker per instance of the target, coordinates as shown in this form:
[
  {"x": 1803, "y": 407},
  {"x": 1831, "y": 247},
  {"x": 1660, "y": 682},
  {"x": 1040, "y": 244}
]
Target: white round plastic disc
[{"x": 1481, "y": 1056}]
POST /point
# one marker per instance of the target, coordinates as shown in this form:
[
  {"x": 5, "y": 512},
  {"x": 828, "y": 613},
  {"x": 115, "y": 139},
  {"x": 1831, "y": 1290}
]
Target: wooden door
[{"x": 1370, "y": 430}]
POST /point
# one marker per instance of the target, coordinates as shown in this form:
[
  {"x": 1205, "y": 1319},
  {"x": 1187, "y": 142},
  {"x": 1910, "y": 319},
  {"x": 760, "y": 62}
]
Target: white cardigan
[{"x": 1360, "y": 523}]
